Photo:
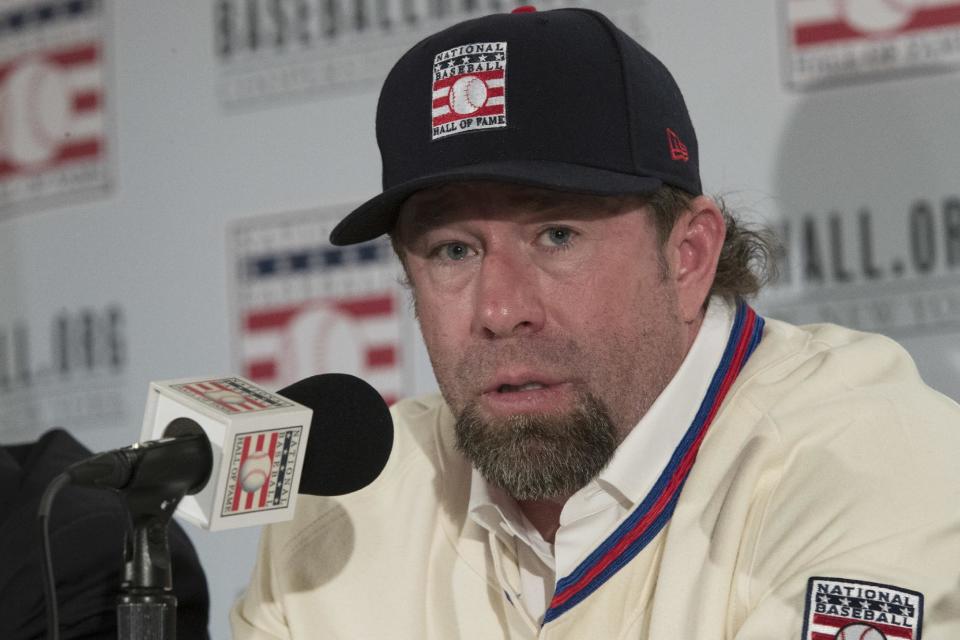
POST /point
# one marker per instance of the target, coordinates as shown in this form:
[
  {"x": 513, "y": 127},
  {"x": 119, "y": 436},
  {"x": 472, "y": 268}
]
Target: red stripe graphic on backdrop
[
  {"x": 239, "y": 488},
  {"x": 273, "y": 319},
  {"x": 250, "y": 495},
  {"x": 381, "y": 356},
  {"x": 260, "y": 369},
  {"x": 281, "y": 316},
  {"x": 483, "y": 75},
  {"x": 888, "y": 630},
  {"x": 66, "y": 153},
  {"x": 77, "y": 150},
  {"x": 86, "y": 101},
  {"x": 87, "y": 54},
  {"x": 265, "y": 490},
  {"x": 373, "y": 307},
  {"x": 820, "y": 32},
  {"x": 380, "y": 305}
]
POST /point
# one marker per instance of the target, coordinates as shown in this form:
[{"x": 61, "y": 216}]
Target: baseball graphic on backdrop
[
  {"x": 35, "y": 113},
  {"x": 877, "y": 16},
  {"x": 321, "y": 338},
  {"x": 468, "y": 94},
  {"x": 254, "y": 471},
  {"x": 860, "y": 632}
]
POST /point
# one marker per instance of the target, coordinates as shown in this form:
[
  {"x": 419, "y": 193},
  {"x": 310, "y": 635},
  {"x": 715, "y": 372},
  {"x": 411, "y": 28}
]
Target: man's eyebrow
[
  {"x": 548, "y": 205},
  {"x": 424, "y": 211}
]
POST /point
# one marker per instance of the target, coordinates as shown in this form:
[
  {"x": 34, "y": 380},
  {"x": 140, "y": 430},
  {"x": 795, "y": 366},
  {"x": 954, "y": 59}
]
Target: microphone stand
[{"x": 146, "y": 606}]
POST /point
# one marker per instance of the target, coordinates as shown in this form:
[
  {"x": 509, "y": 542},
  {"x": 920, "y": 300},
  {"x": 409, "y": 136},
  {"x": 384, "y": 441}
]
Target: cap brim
[{"x": 378, "y": 215}]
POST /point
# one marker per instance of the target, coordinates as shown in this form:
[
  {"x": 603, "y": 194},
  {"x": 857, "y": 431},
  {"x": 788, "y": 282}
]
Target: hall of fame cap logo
[
  {"x": 469, "y": 92},
  {"x": 231, "y": 395},
  {"x": 841, "y": 609}
]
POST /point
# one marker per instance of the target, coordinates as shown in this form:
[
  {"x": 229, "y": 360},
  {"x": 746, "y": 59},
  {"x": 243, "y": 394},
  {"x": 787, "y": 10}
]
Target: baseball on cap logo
[{"x": 469, "y": 92}]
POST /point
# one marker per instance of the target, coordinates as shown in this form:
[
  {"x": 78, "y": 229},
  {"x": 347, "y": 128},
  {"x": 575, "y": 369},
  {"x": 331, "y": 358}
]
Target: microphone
[
  {"x": 351, "y": 434},
  {"x": 325, "y": 435},
  {"x": 225, "y": 453},
  {"x": 178, "y": 464}
]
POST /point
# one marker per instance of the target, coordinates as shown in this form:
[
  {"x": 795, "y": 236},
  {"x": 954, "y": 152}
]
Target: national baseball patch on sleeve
[{"x": 841, "y": 609}]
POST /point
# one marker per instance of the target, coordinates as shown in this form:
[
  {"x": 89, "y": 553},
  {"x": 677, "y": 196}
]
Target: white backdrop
[{"x": 128, "y": 280}]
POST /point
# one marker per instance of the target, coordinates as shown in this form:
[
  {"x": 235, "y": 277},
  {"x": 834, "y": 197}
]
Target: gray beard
[{"x": 540, "y": 457}]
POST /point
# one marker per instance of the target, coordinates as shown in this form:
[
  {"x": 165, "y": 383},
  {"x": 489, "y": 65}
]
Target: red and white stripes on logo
[
  {"x": 255, "y": 445},
  {"x": 52, "y": 108},
  {"x": 476, "y": 94},
  {"x": 826, "y": 627}
]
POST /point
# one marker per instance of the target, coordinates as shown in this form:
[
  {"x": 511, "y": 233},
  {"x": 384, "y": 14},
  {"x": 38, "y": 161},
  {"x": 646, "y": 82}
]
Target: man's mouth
[
  {"x": 526, "y": 392},
  {"x": 512, "y": 388}
]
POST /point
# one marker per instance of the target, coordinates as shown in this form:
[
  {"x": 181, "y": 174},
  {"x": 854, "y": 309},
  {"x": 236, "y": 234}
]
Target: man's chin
[{"x": 538, "y": 455}]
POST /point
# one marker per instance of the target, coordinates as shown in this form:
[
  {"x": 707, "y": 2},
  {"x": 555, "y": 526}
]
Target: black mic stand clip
[{"x": 146, "y": 605}]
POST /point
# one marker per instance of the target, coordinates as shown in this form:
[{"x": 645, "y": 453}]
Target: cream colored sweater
[{"x": 828, "y": 459}]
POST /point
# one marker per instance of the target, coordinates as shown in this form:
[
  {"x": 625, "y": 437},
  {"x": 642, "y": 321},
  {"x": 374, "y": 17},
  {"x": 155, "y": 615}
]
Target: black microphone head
[{"x": 351, "y": 433}]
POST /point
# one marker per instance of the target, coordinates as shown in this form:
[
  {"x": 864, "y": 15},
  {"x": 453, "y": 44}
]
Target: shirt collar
[
  {"x": 641, "y": 456},
  {"x": 497, "y": 512},
  {"x": 645, "y": 451}
]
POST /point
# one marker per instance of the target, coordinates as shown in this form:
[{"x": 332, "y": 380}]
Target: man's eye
[
  {"x": 454, "y": 251},
  {"x": 557, "y": 237}
]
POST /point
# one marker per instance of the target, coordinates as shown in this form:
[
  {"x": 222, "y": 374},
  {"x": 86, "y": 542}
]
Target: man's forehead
[{"x": 436, "y": 205}]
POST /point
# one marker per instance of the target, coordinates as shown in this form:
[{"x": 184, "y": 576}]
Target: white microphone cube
[{"x": 258, "y": 440}]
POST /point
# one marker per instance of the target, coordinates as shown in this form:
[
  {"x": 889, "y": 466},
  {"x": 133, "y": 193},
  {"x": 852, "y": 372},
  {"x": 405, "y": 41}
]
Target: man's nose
[{"x": 508, "y": 297}]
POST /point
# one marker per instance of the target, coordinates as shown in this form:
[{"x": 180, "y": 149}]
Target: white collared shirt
[{"x": 592, "y": 512}]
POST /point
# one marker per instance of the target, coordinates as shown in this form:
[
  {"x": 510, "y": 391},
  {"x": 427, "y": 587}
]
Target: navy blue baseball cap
[{"x": 559, "y": 99}]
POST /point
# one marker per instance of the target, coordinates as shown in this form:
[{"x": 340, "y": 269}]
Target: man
[{"x": 623, "y": 448}]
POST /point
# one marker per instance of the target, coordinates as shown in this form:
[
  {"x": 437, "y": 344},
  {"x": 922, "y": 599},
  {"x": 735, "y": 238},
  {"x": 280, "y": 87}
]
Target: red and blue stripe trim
[{"x": 646, "y": 521}]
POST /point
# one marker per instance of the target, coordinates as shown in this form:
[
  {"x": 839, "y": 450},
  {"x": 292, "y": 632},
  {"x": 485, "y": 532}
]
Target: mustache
[{"x": 553, "y": 355}]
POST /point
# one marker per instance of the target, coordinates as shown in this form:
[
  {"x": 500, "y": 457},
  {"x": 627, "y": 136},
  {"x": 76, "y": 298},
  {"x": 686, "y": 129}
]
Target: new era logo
[
  {"x": 469, "y": 92},
  {"x": 678, "y": 150}
]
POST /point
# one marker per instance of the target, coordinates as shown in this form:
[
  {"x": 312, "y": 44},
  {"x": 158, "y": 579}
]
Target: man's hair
[{"x": 748, "y": 258}]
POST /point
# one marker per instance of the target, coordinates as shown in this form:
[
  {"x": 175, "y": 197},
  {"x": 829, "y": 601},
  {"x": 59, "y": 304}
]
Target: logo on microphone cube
[
  {"x": 261, "y": 471},
  {"x": 232, "y": 395},
  {"x": 255, "y": 470},
  {"x": 256, "y": 439}
]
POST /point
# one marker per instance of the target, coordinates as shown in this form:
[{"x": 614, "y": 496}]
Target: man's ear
[{"x": 694, "y": 249}]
